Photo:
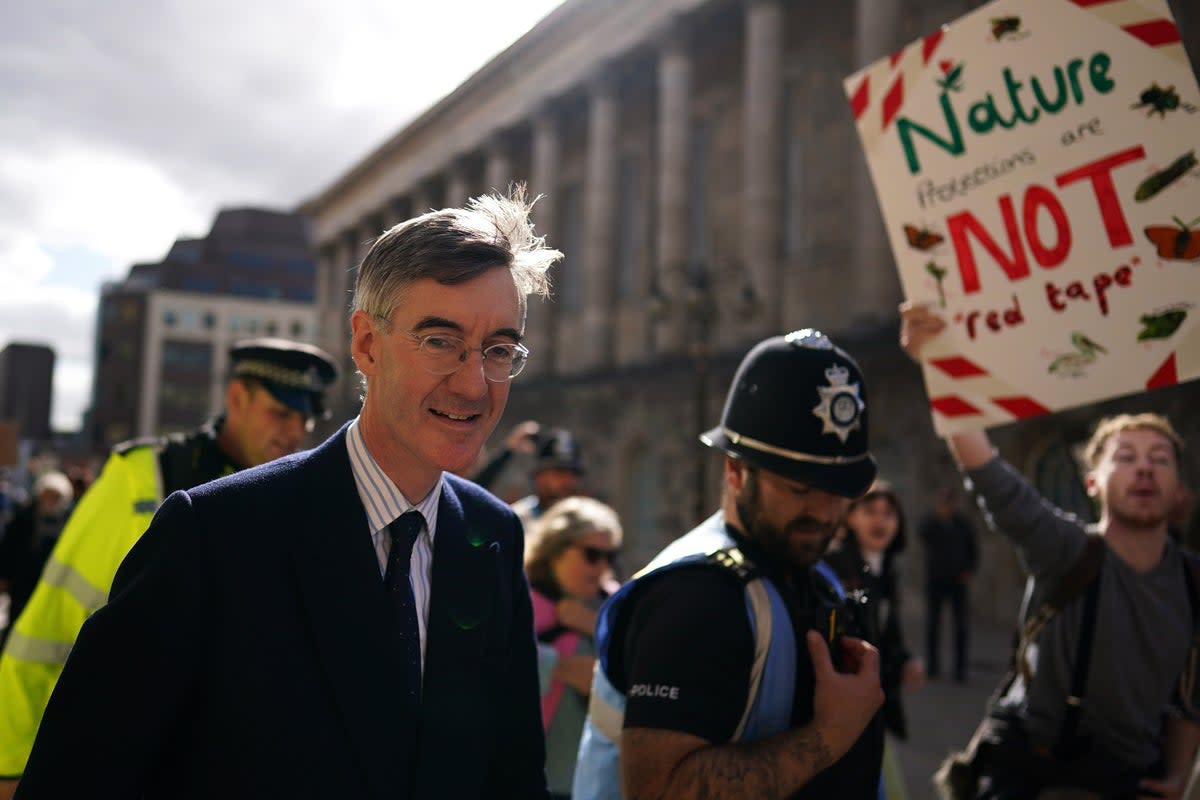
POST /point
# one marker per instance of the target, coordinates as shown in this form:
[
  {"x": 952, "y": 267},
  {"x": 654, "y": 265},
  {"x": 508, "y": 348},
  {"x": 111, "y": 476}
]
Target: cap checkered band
[
  {"x": 794, "y": 455},
  {"x": 308, "y": 380}
]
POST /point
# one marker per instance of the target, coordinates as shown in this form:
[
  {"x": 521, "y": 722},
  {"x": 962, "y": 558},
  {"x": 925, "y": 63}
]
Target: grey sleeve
[{"x": 1047, "y": 539}]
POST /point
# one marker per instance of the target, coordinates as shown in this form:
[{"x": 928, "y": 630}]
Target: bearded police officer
[
  {"x": 726, "y": 667},
  {"x": 275, "y": 391}
]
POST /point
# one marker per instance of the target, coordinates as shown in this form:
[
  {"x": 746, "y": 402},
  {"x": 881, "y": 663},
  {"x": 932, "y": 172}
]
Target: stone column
[
  {"x": 393, "y": 212},
  {"x": 543, "y": 315},
  {"x": 762, "y": 155},
  {"x": 419, "y": 199},
  {"x": 354, "y": 247},
  {"x": 498, "y": 168},
  {"x": 674, "y": 142},
  {"x": 458, "y": 189},
  {"x": 599, "y": 214},
  {"x": 872, "y": 271}
]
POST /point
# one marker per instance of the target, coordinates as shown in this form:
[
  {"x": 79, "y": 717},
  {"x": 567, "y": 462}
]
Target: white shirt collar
[{"x": 381, "y": 499}]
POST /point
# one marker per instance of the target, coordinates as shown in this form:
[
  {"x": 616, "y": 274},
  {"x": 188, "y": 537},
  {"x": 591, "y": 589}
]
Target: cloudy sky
[{"x": 127, "y": 123}]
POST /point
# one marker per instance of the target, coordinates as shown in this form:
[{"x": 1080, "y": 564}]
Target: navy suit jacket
[{"x": 247, "y": 650}]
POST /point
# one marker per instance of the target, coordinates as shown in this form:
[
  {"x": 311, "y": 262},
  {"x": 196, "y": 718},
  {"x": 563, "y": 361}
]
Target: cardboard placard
[{"x": 1037, "y": 166}]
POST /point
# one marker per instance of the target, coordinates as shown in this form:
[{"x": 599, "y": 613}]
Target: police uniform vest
[
  {"x": 771, "y": 695},
  {"x": 108, "y": 520}
]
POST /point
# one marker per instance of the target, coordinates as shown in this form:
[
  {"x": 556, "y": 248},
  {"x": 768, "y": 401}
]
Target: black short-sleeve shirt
[{"x": 682, "y": 654}]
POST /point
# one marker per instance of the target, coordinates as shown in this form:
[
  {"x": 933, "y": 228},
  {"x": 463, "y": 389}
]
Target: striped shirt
[{"x": 384, "y": 503}]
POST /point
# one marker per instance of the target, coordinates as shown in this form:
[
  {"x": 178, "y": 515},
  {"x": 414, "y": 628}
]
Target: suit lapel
[{"x": 343, "y": 597}]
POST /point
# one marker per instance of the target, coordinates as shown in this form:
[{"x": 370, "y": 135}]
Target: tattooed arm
[{"x": 660, "y": 764}]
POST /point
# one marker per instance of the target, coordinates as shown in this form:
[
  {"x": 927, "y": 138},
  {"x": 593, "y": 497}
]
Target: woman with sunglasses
[{"x": 569, "y": 564}]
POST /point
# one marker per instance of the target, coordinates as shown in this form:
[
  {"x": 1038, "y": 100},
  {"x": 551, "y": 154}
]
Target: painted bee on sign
[{"x": 1159, "y": 100}]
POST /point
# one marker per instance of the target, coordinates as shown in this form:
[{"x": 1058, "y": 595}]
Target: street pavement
[{"x": 943, "y": 714}]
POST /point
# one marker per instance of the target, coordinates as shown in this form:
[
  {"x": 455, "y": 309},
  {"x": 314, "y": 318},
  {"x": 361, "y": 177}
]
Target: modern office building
[
  {"x": 164, "y": 333},
  {"x": 26, "y": 388}
]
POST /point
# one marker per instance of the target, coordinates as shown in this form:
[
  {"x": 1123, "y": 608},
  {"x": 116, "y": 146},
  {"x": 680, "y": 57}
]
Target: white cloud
[{"x": 128, "y": 124}]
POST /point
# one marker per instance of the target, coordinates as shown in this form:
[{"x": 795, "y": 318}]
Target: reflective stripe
[
  {"x": 761, "y": 620},
  {"x": 30, "y": 648},
  {"x": 67, "y": 578},
  {"x": 606, "y": 708},
  {"x": 794, "y": 455}
]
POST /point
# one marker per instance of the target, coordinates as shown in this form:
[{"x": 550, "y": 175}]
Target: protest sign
[{"x": 1036, "y": 163}]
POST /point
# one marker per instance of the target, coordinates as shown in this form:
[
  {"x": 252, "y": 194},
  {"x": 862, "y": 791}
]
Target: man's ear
[
  {"x": 236, "y": 397},
  {"x": 1092, "y": 484},
  {"x": 364, "y": 342},
  {"x": 735, "y": 473}
]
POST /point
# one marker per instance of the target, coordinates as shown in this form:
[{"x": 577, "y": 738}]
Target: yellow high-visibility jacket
[{"x": 109, "y": 519}]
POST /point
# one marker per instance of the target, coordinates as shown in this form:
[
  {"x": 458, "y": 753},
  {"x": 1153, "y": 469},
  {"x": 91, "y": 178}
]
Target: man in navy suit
[{"x": 351, "y": 621}]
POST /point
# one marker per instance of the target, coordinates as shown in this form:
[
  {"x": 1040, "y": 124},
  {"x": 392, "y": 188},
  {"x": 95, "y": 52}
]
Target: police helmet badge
[{"x": 840, "y": 407}]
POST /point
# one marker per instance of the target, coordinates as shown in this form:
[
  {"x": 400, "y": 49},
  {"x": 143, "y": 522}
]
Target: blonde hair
[
  {"x": 1110, "y": 426},
  {"x": 562, "y": 525}
]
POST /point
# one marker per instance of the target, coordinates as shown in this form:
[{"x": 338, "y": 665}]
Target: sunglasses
[{"x": 594, "y": 555}]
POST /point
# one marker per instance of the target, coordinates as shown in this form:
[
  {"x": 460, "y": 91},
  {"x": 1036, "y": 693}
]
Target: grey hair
[
  {"x": 563, "y": 524},
  {"x": 453, "y": 246}
]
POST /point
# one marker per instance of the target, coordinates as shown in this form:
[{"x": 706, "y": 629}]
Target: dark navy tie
[{"x": 404, "y": 531}]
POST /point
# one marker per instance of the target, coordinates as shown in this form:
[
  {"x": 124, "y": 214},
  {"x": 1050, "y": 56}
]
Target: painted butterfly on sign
[
  {"x": 922, "y": 238},
  {"x": 1176, "y": 243}
]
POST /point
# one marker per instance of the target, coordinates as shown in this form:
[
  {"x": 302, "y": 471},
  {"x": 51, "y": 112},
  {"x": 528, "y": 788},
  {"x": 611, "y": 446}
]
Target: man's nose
[{"x": 468, "y": 380}]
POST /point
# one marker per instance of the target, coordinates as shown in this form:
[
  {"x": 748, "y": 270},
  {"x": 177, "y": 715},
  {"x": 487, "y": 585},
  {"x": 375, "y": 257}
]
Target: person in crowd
[
  {"x": 866, "y": 563},
  {"x": 1125, "y": 724},
  {"x": 951, "y": 560},
  {"x": 557, "y": 467},
  {"x": 30, "y": 538},
  {"x": 717, "y": 673},
  {"x": 572, "y": 548},
  {"x": 521, "y": 440},
  {"x": 557, "y": 470},
  {"x": 274, "y": 393},
  {"x": 351, "y": 621}
]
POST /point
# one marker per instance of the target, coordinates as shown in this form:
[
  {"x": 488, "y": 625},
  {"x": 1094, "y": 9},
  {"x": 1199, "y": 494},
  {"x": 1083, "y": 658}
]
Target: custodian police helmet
[
  {"x": 798, "y": 407},
  {"x": 296, "y": 374}
]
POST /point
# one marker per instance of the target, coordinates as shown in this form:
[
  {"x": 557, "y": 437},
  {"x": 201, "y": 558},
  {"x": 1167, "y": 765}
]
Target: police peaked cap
[
  {"x": 557, "y": 448},
  {"x": 296, "y": 374},
  {"x": 798, "y": 407}
]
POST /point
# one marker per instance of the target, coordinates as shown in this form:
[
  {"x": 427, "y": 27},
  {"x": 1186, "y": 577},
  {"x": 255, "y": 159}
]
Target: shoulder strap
[
  {"x": 1187, "y": 678},
  {"x": 1078, "y": 577},
  {"x": 1069, "y": 745}
]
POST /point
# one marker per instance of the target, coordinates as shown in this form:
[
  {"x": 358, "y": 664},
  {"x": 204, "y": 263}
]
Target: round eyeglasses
[{"x": 445, "y": 354}]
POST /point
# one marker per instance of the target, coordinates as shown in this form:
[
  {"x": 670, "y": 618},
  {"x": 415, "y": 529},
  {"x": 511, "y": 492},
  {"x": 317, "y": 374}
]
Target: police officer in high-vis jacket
[
  {"x": 274, "y": 393},
  {"x": 728, "y": 668}
]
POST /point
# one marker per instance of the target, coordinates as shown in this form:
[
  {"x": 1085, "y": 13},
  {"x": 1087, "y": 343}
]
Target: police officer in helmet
[
  {"x": 731, "y": 656},
  {"x": 274, "y": 393}
]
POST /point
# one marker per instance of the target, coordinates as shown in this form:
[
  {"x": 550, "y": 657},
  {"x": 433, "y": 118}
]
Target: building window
[
  {"x": 297, "y": 329},
  {"x": 271, "y": 327},
  {"x": 570, "y": 268},
  {"x": 210, "y": 320},
  {"x": 631, "y": 227},
  {"x": 184, "y": 390},
  {"x": 170, "y": 318},
  {"x": 698, "y": 199}
]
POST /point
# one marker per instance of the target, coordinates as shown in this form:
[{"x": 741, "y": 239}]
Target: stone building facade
[{"x": 701, "y": 171}]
